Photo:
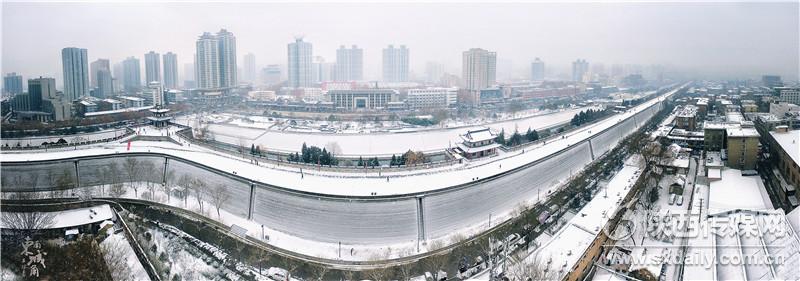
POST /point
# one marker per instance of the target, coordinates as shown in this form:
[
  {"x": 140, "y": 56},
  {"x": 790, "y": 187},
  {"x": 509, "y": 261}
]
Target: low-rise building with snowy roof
[
  {"x": 478, "y": 143},
  {"x": 785, "y": 149}
]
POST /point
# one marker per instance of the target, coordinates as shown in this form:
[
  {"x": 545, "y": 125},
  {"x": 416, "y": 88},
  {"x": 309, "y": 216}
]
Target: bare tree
[
  {"x": 185, "y": 183},
  {"x": 435, "y": 263},
  {"x": 205, "y": 133},
  {"x": 534, "y": 269},
  {"x": 434, "y": 245},
  {"x": 333, "y": 147},
  {"x": 52, "y": 179},
  {"x": 105, "y": 178},
  {"x": 378, "y": 274},
  {"x": 85, "y": 192},
  {"x": 405, "y": 270},
  {"x": 348, "y": 275},
  {"x": 263, "y": 259},
  {"x": 650, "y": 151},
  {"x": 116, "y": 190},
  {"x": 131, "y": 166},
  {"x": 33, "y": 179},
  {"x": 64, "y": 181},
  {"x": 116, "y": 259},
  {"x": 168, "y": 183},
  {"x": 318, "y": 272},
  {"x": 24, "y": 224},
  {"x": 199, "y": 187},
  {"x": 242, "y": 145},
  {"x": 220, "y": 196},
  {"x": 114, "y": 172},
  {"x": 27, "y": 220},
  {"x": 149, "y": 171}
]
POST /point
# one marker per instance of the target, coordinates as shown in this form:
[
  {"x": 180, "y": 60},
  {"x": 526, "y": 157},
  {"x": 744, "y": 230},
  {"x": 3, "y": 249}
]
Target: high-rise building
[
  {"x": 300, "y": 64},
  {"x": 76, "y": 72},
  {"x": 479, "y": 69},
  {"x": 227, "y": 59},
  {"x": 170, "y": 70},
  {"x": 105, "y": 84},
  {"x": 271, "y": 75},
  {"x": 12, "y": 83},
  {"x": 101, "y": 76},
  {"x": 771, "y": 81},
  {"x": 434, "y": 71},
  {"x": 158, "y": 93},
  {"x": 349, "y": 64},
  {"x": 537, "y": 70},
  {"x": 249, "y": 71},
  {"x": 152, "y": 67},
  {"x": 38, "y": 89},
  {"x": 579, "y": 68},
  {"x": 118, "y": 76},
  {"x": 395, "y": 64},
  {"x": 321, "y": 71},
  {"x": 131, "y": 75},
  {"x": 42, "y": 93},
  {"x": 207, "y": 62},
  {"x": 96, "y": 66}
]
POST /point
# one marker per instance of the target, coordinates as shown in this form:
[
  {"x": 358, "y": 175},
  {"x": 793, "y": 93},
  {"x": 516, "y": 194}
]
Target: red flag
[{"x": 129, "y": 145}]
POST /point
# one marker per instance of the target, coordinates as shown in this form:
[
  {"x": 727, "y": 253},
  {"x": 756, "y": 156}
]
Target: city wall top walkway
[{"x": 390, "y": 183}]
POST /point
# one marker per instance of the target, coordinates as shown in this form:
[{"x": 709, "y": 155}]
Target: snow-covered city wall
[{"x": 342, "y": 218}]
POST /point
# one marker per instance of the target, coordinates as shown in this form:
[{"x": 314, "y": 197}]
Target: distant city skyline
[{"x": 695, "y": 38}]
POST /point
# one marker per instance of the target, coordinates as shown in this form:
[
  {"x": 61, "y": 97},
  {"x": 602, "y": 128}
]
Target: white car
[{"x": 278, "y": 274}]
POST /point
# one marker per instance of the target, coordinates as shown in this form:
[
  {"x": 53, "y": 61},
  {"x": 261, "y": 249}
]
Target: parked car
[
  {"x": 278, "y": 274},
  {"x": 679, "y": 201},
  {"x": 672, "y": 198}
]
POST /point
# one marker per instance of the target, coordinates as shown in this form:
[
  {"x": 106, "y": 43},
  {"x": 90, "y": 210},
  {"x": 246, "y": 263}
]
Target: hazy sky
[{"x": 715, "y": 39}]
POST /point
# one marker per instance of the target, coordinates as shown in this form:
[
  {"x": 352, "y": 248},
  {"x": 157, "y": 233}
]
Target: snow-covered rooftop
[
  {"x": 742, "y": 132},
  {"x": 479, "y": 135},
  {"x": 734, "y": 191},
  {"x": 790, "y": 142},
  {"x": 77, "y": 217}
]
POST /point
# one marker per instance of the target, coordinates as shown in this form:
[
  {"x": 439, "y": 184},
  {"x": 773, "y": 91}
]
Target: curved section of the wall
[
  {"x": 343, "y": 219},
  {"x": 336, "y": 220},
  {"x": 239, "y": 191},
  {"x": 36, "y": 177},
  {"x": 108, "y": 170},
  {"x": 450, "y": 211}
]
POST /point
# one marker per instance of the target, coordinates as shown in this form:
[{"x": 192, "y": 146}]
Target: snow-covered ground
[
  {"x": 183, "y": 259},
  {"x": 119, "y": 253},
  {"x": 357, "y": 143}
]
